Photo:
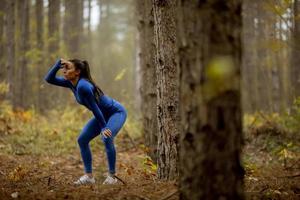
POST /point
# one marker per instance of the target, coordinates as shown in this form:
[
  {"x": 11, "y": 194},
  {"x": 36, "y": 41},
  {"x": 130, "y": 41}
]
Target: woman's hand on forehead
[{"x": 64, "y": 62}]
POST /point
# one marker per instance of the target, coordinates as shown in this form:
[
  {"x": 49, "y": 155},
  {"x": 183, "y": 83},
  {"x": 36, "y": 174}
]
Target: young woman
[{"x": 109, "y": 114}]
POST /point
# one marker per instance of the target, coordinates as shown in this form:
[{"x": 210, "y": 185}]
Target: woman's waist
[{"x": 111, "y": 105}]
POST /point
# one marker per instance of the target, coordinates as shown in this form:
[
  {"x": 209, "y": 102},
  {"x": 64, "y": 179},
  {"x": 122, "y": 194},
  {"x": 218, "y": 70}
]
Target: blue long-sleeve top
[{"x": 84, "y": 94}]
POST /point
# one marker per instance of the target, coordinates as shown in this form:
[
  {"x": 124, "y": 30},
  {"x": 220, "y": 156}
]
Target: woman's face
[{"x": 69, "y": 71}]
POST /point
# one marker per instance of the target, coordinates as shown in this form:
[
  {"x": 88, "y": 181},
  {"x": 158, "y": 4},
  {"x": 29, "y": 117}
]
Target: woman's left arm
[{"x": 86, "y": 92}]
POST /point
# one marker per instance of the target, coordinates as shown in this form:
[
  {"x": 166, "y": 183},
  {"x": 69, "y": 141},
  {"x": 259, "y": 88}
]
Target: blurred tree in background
[
  {"x": 36, "y": 33},
  {"x": 267, "y": 55}
]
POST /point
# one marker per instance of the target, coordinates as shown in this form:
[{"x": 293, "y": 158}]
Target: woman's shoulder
[{"x": 84, "y": 85}]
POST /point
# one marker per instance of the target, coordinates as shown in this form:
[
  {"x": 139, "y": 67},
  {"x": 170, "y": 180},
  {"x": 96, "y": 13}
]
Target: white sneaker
[
  {"x": 110, "y": 180},
  {"x": 85, "y": 179}
]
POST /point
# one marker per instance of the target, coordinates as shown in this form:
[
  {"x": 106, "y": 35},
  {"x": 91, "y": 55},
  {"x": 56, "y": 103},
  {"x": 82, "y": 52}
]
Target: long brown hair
[{"x": 84, "y": 68}]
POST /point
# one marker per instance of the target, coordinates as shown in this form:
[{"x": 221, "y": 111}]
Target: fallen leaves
[{"x": 18, "y": 173}]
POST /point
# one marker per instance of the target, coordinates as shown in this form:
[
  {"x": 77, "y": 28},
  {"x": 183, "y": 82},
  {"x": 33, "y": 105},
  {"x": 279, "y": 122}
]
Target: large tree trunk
[
  {"x": 295, "y": 68},
  {"x": 10, "y": 38},
  {"x": 210, "y": 61},
  {"x": 39, "y": 14},
  {"x": 148, "y": 75},
  {"x": 23, "y": 13},
  {"x": 167, "y": 88}
]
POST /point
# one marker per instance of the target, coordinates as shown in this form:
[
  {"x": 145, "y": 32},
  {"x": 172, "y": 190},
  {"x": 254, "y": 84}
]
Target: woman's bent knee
[{"x": 82, "y": 141}]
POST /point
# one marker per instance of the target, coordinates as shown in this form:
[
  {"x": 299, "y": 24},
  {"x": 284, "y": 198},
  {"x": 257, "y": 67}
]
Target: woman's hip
[
  {"x": 116, "y": 121},
  {"x": 119, "y": 107}
]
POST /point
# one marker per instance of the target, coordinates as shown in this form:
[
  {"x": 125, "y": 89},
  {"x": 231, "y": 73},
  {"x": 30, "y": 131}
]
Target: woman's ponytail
[{"x": 86, "y": 63}]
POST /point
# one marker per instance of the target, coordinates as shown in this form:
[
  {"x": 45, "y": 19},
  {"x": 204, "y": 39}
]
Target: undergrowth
[
  {"x": 274, "y": 134},
  {"x": 54, "y": 133}
]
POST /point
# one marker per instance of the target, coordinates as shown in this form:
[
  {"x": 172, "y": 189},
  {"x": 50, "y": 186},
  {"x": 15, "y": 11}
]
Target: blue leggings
[{"x": 93, "y": 129}]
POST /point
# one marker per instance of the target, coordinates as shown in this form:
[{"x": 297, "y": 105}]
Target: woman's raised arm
[{"x": 56, "y": 80}]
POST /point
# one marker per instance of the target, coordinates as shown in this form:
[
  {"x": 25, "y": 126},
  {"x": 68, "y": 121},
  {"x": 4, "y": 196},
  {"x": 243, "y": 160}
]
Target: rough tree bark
[
  {"x": 167, "y": 87},
  {"x": 148, "y": 75},
  {"x": 210, "y": 61}
]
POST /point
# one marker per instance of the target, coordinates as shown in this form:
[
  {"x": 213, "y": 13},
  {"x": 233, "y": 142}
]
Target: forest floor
[
  {"x": 31, "y": 168},
  {"x": 46, "y": 177},
  {"x": 29, "y": 177}
]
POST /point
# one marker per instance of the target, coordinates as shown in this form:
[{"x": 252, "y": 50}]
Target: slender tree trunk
[
  {"x": 264, "y": 86},
  {"x": 54, "y": 95},
  {"x": 148, "y": 75},
  {"x": 88, "y": 37},
  {"x": 167, "y": 88},
  {"x": 286, "y": 83},
  {"x": 210, "y": 62},
  {"x": 86, "y": 34},
  {"x": 282, "y": 72},
  {"x": 286, "y": 90},
  {"x": 2, "y": 42},
  {"x": 89, "y": 18},
  {"x": 295, "y": 68},
  {"x": 105, "y": 35},
  {"x": 285, "y": 65},
  {"x": 255, "y": 59},
  {"x": 10, "y": 38},
  {"x": 270, "y": 67},
  {"x": 23, "y": 11},
  {"x": 73, "y": 26},
  {"x": 249, "y": 52},
  {"x": 80, "y": 21},
  {"x": 276, "y": 72},
  {"x": 39, "y": 14},
  {"x": 53, "y": 29}
]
